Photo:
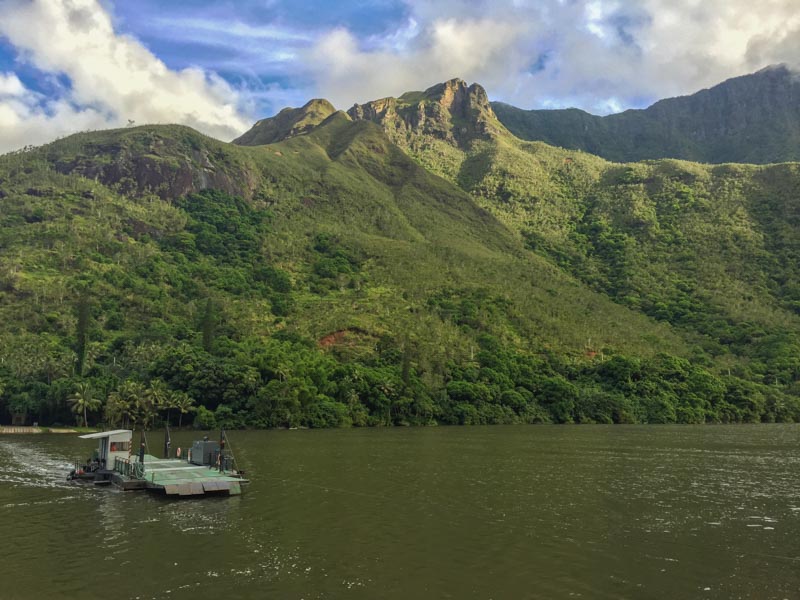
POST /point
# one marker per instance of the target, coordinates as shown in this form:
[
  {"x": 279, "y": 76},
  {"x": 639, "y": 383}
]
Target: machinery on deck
[{"x": 209, "y": 467}]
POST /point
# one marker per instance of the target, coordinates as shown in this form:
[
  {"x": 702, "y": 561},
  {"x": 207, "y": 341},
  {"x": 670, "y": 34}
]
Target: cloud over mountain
[
  {"x": 600, "y": 55},
  {"x": 216, "y": 66},
  {"x": 112, "y": 78}
]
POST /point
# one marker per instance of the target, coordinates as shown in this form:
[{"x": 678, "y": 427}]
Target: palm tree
[
  {"x": 145, "y": 410},
  {"x": 184, "y": 403},
  {"x": 115, "y": 409},
  {"x": 123, "y": 403},
  {"x": 82, "y": 401},
  {"x": 159, "y": 397}
]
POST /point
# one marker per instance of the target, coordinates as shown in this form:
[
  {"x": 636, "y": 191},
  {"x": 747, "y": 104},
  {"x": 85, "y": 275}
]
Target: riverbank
[{"x": 19, "y": 430}]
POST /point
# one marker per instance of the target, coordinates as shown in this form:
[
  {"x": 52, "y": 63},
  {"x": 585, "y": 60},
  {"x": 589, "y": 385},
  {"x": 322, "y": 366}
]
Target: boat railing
[
  {"x": 222, "y": 461},
  {"x": 86, "y": 466},
  {"x": 129, "y": 468}
]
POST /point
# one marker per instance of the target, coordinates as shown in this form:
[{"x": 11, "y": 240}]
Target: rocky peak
[
  {"x": 452, "y": 111},
  {"x": 375, "y": 110},
  {"x": 289, "y": 122},
  {"x": 460, "y": 99}
]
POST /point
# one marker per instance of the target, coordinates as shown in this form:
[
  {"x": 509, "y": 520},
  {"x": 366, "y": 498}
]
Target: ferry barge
[{"x": 208, "y": 467}]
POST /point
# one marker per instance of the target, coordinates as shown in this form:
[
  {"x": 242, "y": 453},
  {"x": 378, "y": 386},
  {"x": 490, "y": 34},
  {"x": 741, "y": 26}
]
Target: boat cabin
[
  {"x": 211, "y": 470},
  {"x": 112, "y": 444}
]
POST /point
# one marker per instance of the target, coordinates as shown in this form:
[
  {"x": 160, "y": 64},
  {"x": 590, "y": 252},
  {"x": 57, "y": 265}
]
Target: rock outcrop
[
  {"x": 169, "y": 161},
  {"x": 450, "y": 111}
]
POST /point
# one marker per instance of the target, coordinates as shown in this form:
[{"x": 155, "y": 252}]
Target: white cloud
[
  {"x": 26, "y": 117},
  {"x": 11, "y": 86},
  {"x": 595, "y": 54},
  {"x": 782, "y": 44},
  {"x": 194, "y": 28},
  {"x": 25, "y": 121},
  {"x": 113, "y": 78},
  {"x": 344, "y": 73}
]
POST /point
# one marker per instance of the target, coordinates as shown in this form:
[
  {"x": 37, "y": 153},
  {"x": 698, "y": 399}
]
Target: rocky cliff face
[
  {"x": 450, "y": 111},
  {"x": 169, "y": 161}
]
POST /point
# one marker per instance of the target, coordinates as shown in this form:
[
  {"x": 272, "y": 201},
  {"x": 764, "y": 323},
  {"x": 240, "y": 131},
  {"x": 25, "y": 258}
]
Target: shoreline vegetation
[
  {"x": 7, "y": 430},
  {"x": 31, "y": 430}
]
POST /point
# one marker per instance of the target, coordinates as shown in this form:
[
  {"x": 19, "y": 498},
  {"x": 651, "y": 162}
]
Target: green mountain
[
  {"x": 410, "y": 262},
  {"x": 287, "y": 123},
  {"x": 749, "y": 119}
]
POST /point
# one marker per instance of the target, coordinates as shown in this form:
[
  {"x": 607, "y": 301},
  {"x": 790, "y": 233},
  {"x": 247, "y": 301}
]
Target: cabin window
[{"x": 120, "y": 446}]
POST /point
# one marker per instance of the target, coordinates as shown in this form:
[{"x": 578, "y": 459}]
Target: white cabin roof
[{"x": 104, "y": 434}]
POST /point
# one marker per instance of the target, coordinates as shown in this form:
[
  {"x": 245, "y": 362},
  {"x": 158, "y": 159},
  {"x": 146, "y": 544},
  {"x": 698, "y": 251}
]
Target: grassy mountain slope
[
  {"x": 287, "y": 123},
  {"x": 708, "y": 249},
  {"x": 749, "y": 119},
  {"x": 324, "y": 280}
]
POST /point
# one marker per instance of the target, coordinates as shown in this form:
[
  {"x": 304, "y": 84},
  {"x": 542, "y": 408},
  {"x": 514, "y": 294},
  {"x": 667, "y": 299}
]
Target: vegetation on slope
[
  {"x": 709, "y": 250},
  {"x": 329, "y": 280},
  {"x": 287, "y": 123},
  {"x": 749, "y": 119}
]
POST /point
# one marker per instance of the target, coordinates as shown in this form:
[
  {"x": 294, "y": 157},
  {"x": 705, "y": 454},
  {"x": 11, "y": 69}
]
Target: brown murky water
[{"x": 483, "y": 512}]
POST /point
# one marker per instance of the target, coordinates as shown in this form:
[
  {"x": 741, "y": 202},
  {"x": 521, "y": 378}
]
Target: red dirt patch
[{"x": 338, "y": 338}]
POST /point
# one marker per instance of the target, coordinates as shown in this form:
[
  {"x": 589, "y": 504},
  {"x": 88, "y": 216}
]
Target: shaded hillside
[{"x": 749, "y": 119}]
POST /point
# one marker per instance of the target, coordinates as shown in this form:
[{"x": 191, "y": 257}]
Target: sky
[{"x": 75, "y": 65}]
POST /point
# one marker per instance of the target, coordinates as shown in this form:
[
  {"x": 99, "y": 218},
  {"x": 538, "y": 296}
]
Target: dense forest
[{"x": 379, "y": 271}]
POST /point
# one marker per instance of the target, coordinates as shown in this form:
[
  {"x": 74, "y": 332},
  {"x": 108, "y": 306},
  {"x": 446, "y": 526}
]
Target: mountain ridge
[{"x": 753, "y": 118}]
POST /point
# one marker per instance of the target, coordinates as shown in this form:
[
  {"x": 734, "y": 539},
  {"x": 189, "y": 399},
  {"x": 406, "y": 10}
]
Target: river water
[{"x": 472, "y": 512}]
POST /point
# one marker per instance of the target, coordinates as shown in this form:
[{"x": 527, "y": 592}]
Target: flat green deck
[{"x": 179, "y": 477}]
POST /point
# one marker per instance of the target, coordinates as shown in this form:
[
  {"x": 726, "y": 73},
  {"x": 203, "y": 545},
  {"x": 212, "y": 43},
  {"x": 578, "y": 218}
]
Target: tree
[
  {"x": 208, "y": 325},
  {"x": 117, "y": 411},
  {"x": 82, "y": 333},
  {"x": 124, "y": 403},
  {"x": 82, "y": 401},
  {"x": 558, "y": 396},
  {"x": 184, "y": 403},
  {"x": 146, "y": 409},
  {"x": 159, "y": 396}
]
